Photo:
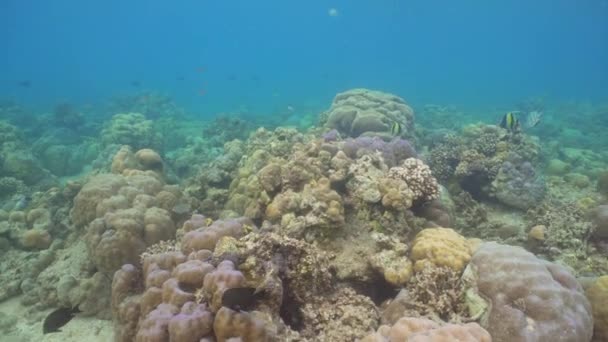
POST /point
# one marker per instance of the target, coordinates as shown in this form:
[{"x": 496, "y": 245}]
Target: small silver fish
[{"x": 533, "y": 118}]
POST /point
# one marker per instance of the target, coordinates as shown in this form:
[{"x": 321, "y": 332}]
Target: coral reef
[
  {"x": 440, "y": 247},
  {"x": 419, "y": 329},
  {"x": 359, "y": 112},
  {"x": 131, "y": 129},
  {"x": 597, "y": 294},
  {"x": 297, "y": 190},
  {"x": 517, "y": 184},
  {"x": 518, "y": 297}
]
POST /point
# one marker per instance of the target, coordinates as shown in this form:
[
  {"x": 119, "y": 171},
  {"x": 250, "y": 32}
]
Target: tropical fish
[
  {"x": 396, "y": 129},
  {"x": 533, "y": 118},
  {"x": 510, "y": 122},
  {"x": 57, "y": 319},
  {"x": 241, "y": 298}
]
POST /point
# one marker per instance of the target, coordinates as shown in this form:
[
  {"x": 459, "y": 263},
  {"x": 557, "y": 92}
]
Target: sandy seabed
[{"x": 79, "y": 329}]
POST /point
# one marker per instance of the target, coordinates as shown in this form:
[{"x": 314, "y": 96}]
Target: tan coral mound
[
  {"x": 363, "y": 112},
  {"x": 520, "y": 297},
  {"x": 440, "y": 247},
  {"x": 149, "y": 159},
  {"x": 424, "y": 330},
  {"x": 598, "y": 296}
]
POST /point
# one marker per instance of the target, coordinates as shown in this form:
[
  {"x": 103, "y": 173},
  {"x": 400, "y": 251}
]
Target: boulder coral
[
  {"x": 131, "y": 129},
  {"x": 124, "y": 214},
  {"x": 440, "y": 247},
  {"x": 424, "y": 330},
  {"x": 518, "y": 297},
  {"x": 597, "y": 294},
  {"x": 359, "y": 112}
]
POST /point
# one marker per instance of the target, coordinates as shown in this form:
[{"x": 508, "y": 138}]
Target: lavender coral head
[
  {"x": 332, "y": 135},
  {"x": 518, "y": 184},
  {"x": 393, "y": 152}
]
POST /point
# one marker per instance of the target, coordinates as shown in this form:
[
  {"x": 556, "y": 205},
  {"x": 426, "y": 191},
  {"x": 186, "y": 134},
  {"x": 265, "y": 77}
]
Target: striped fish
[
  {"x": 396, "y": 129},
  {"x": 510, "y": 122}
]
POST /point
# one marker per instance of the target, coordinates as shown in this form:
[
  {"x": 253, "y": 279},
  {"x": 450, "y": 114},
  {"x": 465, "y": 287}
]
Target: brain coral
[
  {"x": 598, "y": 296},
  {"x": 440, "y": 247},
  {"x": 367, "y": 112},
  {"x": 528, "y": 299},
  {"x": 424, "y": 330}
]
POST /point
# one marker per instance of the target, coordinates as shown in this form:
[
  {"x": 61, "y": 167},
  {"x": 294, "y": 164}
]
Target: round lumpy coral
[
  {"x": 598, "y": 296},
  {"x": 440, "y": 247},
  {"x": 367, "y": 112},
  {"x": 424, "y": 330},
  {"x": 527, "y": 299}
]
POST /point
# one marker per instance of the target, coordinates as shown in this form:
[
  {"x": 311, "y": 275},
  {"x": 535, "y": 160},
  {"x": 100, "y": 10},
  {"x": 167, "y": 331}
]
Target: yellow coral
[
  {"x": 395, "y": 268},
  {"x": 440, "y": 247},
  {"x": 598, "y": 296}
]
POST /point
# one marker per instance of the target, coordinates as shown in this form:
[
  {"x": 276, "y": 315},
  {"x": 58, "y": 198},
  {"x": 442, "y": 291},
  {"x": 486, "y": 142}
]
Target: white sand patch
[{"x": 28, "y": 327}]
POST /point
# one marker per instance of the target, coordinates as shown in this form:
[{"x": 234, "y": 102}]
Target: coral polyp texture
[
  {"x": 440, "y": 247},
  {"x": 597, "y": 294},
  {"x": 422, "y": 330},
  {"x": 184, "y": 295},
  {"x": 518, "y": 297},
  {"x": 359, "y": 112}
]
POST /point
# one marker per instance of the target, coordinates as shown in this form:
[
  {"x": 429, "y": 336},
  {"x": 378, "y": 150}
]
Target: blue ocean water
[{"x": 261, "y": 56}]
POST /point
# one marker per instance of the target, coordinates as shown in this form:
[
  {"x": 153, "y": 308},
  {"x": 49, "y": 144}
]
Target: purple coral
[
  {"x": 393, "y": 152},
  {"x": 331, "y": 136}
]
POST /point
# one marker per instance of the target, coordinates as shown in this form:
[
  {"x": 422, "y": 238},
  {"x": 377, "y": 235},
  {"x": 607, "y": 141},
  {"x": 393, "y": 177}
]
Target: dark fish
[
  {"x": 510, "y": 122},
  {"x": 57, "y": 319},
  {"x": 232, "y": 77},
  {"x": 136, "y": 83},
  {"x": 241, "y": 298},
  {"x": 25, "y": 83},
  {"x": 180, "y": 78},
  {"x": 255, "y": 78}
]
